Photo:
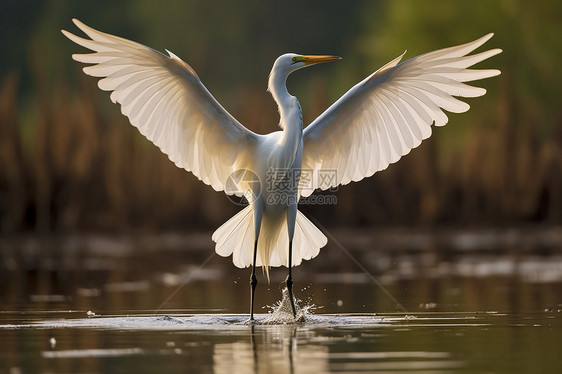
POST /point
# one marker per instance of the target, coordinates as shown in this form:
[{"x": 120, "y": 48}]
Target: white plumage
[
  {"x": 389, "y": 113},
  {"x": 375, "y": 123}
]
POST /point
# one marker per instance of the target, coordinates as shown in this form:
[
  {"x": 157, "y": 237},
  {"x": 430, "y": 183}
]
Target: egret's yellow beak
[{"x": 311, "y": 60}]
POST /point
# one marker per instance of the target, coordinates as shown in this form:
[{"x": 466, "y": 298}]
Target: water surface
[
  {"x": 474, "y": 303},
  {"x": 226, "y": 343}
]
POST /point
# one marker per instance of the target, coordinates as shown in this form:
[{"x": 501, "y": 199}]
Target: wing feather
[
  {"x": 389, "y": 113},
  {"x": 163, "y": 97}
]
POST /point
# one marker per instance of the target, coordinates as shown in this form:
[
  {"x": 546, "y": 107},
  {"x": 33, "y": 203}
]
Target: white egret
[{"x": 375, "y": 123}]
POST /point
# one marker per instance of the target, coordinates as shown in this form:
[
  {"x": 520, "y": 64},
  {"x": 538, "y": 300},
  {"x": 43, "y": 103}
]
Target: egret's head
[{"x": 290, "y": 62}]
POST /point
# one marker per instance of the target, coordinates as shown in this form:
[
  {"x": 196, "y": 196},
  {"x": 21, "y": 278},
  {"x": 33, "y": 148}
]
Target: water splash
[{"x": 282, "y": 311}]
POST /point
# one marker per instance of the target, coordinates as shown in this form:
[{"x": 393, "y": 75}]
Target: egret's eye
[{"x": 294, "y": 59}]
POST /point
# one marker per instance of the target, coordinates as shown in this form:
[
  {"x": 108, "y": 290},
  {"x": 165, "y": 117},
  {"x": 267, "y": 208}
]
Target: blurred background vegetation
[{"x": 69, "y": 161}]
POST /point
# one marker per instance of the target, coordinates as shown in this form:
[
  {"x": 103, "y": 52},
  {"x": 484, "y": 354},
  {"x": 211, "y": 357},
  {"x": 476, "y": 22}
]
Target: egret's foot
[
  {"x": 253, "y": 284},
  {"x": 289, "y": 283},
  {"x": 251, "y": 321},
  {"x": 282, "y": 312}
]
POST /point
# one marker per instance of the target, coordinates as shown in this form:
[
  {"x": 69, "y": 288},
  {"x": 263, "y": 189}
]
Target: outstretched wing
[
  {"x": 389, "y": 113},
  {"x": 164, "y": 98}
]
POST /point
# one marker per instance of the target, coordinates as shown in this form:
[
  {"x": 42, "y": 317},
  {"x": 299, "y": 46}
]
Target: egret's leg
[
  {"x": 258, "y": 214},
  {"x": 253, "y": 282},
  {"x": 291, "y": 218},
  {"x": 289, "y": 280}
]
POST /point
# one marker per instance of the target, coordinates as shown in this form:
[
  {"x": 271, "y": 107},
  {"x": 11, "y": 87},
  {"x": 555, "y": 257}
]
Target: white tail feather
[{"x": 236, "y": 237}]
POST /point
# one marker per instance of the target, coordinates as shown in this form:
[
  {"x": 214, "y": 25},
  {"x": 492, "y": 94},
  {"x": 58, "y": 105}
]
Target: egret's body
[{"x": 374, "y": 124}]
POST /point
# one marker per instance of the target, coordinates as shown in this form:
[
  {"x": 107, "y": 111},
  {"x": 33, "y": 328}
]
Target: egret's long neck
[
  {"x": 277, "y": 85},
  {"x": 290, "y": 112},
  {"x": 289, "y": 108}
]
